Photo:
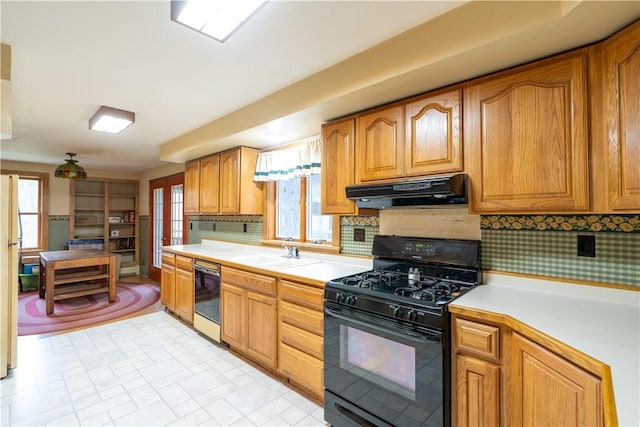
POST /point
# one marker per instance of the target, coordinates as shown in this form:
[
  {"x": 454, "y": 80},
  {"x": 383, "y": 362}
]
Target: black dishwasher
[{"x": 206, "y": 278}]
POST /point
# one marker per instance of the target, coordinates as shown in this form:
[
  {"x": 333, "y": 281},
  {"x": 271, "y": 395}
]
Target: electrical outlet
[
  {"x": 587, "y": 246},
  {"x": 358, "y": 235}
]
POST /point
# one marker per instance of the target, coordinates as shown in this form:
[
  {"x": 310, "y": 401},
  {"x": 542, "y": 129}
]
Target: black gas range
[{"x": 387, "y": 333}]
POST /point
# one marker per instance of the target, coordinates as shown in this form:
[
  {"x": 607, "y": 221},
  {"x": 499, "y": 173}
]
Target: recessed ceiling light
[
  {"x": 216, "y": 18},
  {"x": 111, "y": 120}
]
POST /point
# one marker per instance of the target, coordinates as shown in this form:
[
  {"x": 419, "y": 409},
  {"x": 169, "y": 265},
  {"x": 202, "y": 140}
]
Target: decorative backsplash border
[
  {"x": 360, "y": 221},
  {"x": 591, "y": 223},
  {"x": 226, "y": 218},
  {"x": 59, "y": 217}
]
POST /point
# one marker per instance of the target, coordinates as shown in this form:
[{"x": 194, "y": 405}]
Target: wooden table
[{"x": 68, "y": 274}]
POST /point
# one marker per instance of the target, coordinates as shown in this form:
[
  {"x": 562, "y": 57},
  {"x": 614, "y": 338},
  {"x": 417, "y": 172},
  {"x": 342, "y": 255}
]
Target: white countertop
[
  {"x": 310, "y": 266},
  {"x": 603, "y": 323}
]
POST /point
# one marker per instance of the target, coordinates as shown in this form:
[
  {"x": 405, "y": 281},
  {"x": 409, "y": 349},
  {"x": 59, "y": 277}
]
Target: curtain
[{"x": 288, "y": 163}]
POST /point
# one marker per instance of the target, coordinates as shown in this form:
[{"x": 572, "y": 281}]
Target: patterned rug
[{"x": 83, "y": 311}]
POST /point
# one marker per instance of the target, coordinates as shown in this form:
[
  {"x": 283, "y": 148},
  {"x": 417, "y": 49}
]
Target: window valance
[{"x": 300, "y": 160}]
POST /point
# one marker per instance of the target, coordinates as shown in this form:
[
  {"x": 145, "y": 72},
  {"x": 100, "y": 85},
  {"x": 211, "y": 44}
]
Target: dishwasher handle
[{"x": 206, "y": 267}]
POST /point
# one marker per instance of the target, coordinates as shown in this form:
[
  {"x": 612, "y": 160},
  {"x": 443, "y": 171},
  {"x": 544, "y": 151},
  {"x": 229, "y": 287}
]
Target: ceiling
[{"x": 294, "y": 65}]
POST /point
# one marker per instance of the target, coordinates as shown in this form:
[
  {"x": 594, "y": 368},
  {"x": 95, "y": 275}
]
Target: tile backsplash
[
  {"x": 543, "y": 245},
  {"x": 547, "y": 245},
  {"x": 348, "y": 224},
  {"x": 231, "y": 228}
]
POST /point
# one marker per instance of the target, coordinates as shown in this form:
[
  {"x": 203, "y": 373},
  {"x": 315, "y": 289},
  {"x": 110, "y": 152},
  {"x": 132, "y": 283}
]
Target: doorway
[{"x": 168, "y": 222}]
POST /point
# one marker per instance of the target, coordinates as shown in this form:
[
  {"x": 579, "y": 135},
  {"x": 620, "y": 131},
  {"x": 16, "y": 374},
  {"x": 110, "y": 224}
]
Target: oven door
[{"x": 383, "y": 372}]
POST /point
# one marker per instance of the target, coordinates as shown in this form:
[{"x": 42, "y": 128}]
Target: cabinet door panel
[
  {"x": 302, "y": 340},
  {"x": 302, "y": 317},
  {"x": 184, "y": 294},
  {"x": 300, "y": 294},
  {"x": 302, "y": 369},
  {"x": 549, "y": 390},
  {"x": 380, "y": 145},
  {"x": 168, "y": 285},
  {"x": 192, "y": 187},
  {"x": 233, "y": 315},
  {"x": 338, "y": 167},
  {"x": 210, "y": 184},
  {"x": 622, "y": 114},
  {"x": 230, "y": 181},
  {"x": 478, "y": 339},
  {"x": 261, "y": 328},
  {"x": 433, "y": 135},
  {"x": 477, "y": 392},
  {"x": 527, "y": 139}
]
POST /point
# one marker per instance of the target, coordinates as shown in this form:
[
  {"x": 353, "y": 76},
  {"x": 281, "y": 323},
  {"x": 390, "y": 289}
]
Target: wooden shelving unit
[{"x": 107, "y": 210}]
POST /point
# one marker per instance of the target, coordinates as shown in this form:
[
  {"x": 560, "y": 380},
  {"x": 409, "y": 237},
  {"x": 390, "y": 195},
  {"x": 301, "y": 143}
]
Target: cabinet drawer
[
  {"x": 301, "y": 294},
  {"x": 301, "y": 340},
  {"x": 168, "y": 259},
  {"x": 302, "y": 369},
  {"x": 184, "y": 263},
  {"x": 478, "y": 338},
  {"x": 257, "y": 282},
  {"x": 302, "y": 317}
]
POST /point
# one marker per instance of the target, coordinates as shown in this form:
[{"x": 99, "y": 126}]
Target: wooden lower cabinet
[
  {"x": 301, "y": 326},
  {"x": 261, "y": 328},
  {"x": 184, "y": 288},
  {"x": 249, "y": 315},
  {"x": 501, "y": 377},
  {"x": 168, "y": 281},
  {"x": 233, "y": 314},
  {"x": 176, "y": 286},
  {"x": 477, "y": 392},
  {"x": 548, "y": 390}
]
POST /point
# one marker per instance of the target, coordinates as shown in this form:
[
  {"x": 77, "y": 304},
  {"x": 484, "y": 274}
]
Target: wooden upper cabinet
[
  {"x": 223, "y": 183},
  {"x": 210, "y": 184},
  {"x": 526, "y": 139},
  {"x": 433, "y": 143},
  {"x": 337, "y": 166},
  {"x": 548, "y": 390},
  {"x": 380, "y": 145},
  {"x": 620, "y": 137},
  {"x": 238, "y": 192},
  {"x": 192, "y": 187},
  {"x": 230, "y": 181}
]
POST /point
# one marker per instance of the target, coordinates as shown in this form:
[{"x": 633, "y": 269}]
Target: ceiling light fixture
[
  {"x": 217, "y": 19},
  {"x": 111, "y": 120},
  {"x": 70, "y": 169}
]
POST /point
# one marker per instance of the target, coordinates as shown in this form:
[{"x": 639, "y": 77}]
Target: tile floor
[{"x": 149, "y": 370}]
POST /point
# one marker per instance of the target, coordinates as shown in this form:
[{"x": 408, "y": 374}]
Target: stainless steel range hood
[{"x": 418, "y": 193}]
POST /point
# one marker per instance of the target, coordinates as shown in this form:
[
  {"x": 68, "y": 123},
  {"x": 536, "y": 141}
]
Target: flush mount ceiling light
[
  {"x": 217, "y": 19},
  {"x": 111, "y": 120},
  {"x": 70, "y": 169}
]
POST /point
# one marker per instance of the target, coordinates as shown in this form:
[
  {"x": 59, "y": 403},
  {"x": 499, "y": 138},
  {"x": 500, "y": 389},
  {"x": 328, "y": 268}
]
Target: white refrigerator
[{"x": 8, "y": 272}]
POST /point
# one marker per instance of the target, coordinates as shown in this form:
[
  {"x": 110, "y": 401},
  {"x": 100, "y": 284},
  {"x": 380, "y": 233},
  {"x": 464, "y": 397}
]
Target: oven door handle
[{"x": 418, "y": 336}]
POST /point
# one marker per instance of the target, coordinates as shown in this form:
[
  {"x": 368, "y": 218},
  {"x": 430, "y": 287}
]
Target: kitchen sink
[{"x": 273, "y": 261}]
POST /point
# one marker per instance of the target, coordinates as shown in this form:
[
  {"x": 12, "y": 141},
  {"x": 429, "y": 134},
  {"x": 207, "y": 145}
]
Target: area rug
[{"x": 80, "y": 312}]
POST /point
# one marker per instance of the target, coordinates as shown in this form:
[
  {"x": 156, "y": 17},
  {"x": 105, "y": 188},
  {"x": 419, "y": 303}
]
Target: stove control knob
[
  {"x": 351, "y": 300},
  {"x": 412, "y": 315},
  {"x": 398, "y": 311},
  {"x": 340, "y": 297}
]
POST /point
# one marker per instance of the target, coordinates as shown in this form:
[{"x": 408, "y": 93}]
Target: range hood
[{"x": 427, "y": 192}]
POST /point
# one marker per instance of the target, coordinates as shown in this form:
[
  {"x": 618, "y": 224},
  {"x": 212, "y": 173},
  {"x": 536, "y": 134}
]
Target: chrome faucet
[{"x": 291, "y": 252}]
